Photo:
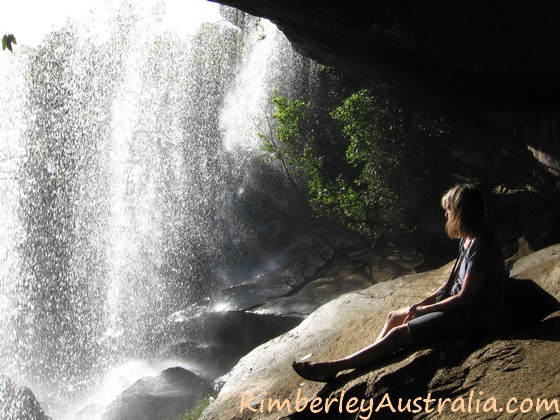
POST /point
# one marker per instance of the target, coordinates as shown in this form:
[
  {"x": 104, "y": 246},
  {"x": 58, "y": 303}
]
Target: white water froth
[{"x": 249, "y": 99}]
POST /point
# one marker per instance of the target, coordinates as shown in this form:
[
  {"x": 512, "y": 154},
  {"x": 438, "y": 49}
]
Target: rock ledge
[{"x": 521, "y": 364}]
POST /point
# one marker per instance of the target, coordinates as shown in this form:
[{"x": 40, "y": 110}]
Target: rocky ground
[{"x": 521, "y": 362}]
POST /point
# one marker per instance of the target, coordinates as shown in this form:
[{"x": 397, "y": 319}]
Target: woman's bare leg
[
  {"x": 395, "y": 339},
  {"x": 394, "y": 319}
]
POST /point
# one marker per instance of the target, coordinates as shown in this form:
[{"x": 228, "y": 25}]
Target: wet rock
[
  {"x": 198, "y": 354},
  {"x": 164, "y": 397},
  {"x": 18, "y": 402},
  {"x": 222, "y": 338}
]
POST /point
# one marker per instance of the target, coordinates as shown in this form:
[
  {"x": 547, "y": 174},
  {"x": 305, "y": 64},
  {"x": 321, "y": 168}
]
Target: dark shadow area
[
  {"x": 548, "y": 329},
  {"x": 217, "y": 340},
  {"x": 526, "y": 304}
]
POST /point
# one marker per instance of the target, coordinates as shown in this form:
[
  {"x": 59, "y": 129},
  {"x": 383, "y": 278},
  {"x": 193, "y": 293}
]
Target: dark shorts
[{"x": 444, "y": 324}]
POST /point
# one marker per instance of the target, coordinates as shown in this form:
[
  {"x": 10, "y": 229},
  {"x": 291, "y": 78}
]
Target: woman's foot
[{"x": 317, "y": 372}]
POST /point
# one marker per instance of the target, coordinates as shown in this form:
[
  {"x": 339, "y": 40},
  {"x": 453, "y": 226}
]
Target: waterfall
[{"x": 132, "y": 186}]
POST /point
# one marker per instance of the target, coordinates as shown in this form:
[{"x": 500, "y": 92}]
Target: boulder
[
  {"x": 222, "y": 338},
  {"x": 18, "y": 402},
  {"x": 505, "y": 366},
  {"x": 164, "y": 397}
]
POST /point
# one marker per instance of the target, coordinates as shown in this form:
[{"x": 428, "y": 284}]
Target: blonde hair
[{"x": 465, "y": 209}]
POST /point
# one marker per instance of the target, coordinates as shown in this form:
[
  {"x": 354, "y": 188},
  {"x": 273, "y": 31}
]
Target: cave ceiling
[{"x": 481, "y": 53}]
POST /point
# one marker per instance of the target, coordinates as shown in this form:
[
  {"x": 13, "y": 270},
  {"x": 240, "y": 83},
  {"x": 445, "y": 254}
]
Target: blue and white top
[{"x": 483, "y": 257}]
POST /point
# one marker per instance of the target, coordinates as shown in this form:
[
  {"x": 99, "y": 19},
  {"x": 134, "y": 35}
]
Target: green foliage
[
  {"x": 362, "y": 165},
  {"x": 195, "y": 412},
  {"x": 295, "y": 146},
  {"x": 7, "y": 41},
  {"x": 379, "y": 144}
]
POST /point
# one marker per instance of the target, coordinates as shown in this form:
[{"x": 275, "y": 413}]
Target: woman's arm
[{"x": 471, "y": 286}]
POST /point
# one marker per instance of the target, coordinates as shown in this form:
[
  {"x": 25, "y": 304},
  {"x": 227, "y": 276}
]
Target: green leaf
[{"x": 8, "y": 41}]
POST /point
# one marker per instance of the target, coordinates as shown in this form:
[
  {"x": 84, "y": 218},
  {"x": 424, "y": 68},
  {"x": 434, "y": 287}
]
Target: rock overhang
[{"x": 477, "y": 53}]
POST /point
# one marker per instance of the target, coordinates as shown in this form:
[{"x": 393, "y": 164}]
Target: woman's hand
[
  {"x": 411, "y": 312},
  {"x": 417, "y": 310}
]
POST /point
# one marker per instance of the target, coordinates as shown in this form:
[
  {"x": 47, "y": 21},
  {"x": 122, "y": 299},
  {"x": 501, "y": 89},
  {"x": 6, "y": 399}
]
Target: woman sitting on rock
[{"x": 465, "y": 306}]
